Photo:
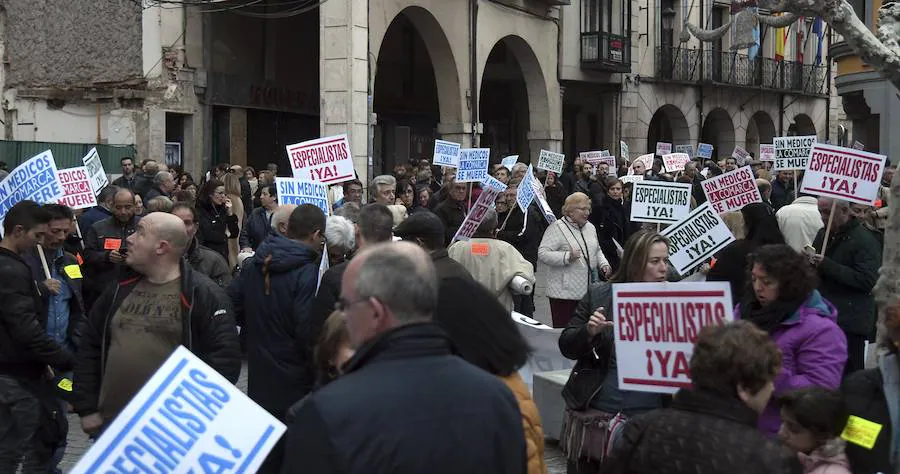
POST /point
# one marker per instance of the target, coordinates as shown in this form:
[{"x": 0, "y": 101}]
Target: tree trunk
[{"x": 887, "y": 290}]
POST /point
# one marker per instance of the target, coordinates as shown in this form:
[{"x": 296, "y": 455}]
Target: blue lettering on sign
[
  {"x": 321, "y": 203},
  {"x": 704, "y": 150}
]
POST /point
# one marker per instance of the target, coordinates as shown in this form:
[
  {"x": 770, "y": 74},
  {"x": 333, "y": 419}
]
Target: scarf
[{"x": 768, "y": 318}]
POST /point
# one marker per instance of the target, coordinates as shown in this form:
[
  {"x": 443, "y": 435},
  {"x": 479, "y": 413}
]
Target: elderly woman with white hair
[
  {"x": 572, "y": 254},
  {"x": 340, "y": 235}
]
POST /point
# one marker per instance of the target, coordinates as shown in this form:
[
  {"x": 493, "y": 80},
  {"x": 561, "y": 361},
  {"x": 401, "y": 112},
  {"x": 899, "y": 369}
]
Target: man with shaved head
[
  {"x": 136, "y": 324},
  {"x": 405, "y": 404}
]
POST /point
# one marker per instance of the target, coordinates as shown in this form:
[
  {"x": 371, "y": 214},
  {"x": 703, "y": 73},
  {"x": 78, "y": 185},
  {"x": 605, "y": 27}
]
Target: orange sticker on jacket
[
  {"x": 481, "y": 249},
  {"x": 112, "y": 244}
]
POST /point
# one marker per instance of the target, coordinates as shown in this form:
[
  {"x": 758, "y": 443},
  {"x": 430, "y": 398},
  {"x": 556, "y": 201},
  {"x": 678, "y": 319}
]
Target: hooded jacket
[
  {"x": 273, "y": 298},
  {"x": 813, "y": 354},
  {"x": 208, "y": 330}
]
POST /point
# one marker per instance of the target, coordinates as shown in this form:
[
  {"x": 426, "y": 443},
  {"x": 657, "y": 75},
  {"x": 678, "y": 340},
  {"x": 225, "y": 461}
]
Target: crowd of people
[{"x": 402, "y": 356}]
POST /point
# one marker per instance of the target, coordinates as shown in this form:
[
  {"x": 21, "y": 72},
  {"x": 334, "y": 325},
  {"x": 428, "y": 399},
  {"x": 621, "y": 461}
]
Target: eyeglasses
[{"x": 343, "y": 305}]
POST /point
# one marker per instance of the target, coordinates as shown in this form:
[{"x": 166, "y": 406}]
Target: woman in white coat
[{"x": 572, "y": 254}]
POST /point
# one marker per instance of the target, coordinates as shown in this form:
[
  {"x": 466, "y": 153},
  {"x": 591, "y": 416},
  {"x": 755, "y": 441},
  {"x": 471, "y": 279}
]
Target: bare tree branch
[
  {"x": 880, "y": 55},
  {"x": 778, "y": 21}
]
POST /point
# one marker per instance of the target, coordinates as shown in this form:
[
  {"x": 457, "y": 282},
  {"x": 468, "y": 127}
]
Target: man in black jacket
[
  {"x": 259, "y": 223},
  {"x": 202, "y": 259},
  {"x": 273, "y": 298},
  {"x": 26, "y": 350},
  {"x": 128, "y": 178},
  {"x": 427, "y": 231},
  {"x": 105, "y": 246},
  {"x": 135, "y": 325},
  {"x": 405, "y": 404}
]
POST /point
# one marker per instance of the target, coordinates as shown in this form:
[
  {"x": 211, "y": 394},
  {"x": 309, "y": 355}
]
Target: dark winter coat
[
  {"x": 209, "y": 263},
  {"x": 592, "y": 355},
  {"x": 125, "y": 182},
  {"x": 556, "y": 197},
  {"x": 100, "y": 272},
  {"x": 782, "y": 194},
  {"x": 701, "y": 433},
  {"x": 91, "y": 217},
  {"x": 445, "y": 266},
  {"x": 256, "y": 227},
  {"x": 329, "y": 292},
  {"x": 864, "y": 394},
  {"x": 213, "y": 221},
  {"x": 592, "y": 189},
  {"x": 611, "y": 222},
  {"x": 525, "y": 241},
  {"x": 153, "y": 192},
  {"x": 25, "y": 347},
  {"x": 273, "y": 299},
  {"x": 455, "y": 418},
  {"x": 848, "y": 273},
  {"x": 452, "y": 214},
  {"x": 208, "y": 330}
]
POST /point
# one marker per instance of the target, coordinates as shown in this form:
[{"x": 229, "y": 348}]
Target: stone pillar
[
  {"x": 550, "y": 140},
  {"x": 344, "y": 76},
  {"x": 237, "y": 136}
]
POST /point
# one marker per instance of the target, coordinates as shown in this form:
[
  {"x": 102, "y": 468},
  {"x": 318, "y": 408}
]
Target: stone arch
[
  {"x": 718, "y": 131},
  {"x": 440, "y": 53},
  {"x": 760, "y": 129},
  {"x": 668, "y": 124},
  {"x": 803, "y": 125}
]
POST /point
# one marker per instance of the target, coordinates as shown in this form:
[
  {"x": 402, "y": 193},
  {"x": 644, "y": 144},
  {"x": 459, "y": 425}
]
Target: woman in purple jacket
[{"x": 785, "y": 303}]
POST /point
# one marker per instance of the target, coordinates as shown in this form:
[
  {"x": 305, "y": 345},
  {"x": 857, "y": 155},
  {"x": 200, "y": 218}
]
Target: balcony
[
  {"x": 734, "y": 69},
  {"x": 603, "y": 51}
]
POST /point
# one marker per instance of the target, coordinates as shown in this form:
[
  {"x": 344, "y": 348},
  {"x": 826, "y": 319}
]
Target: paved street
[{"x": 78, "y": 442}]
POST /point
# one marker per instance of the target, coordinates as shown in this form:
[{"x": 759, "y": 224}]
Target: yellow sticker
[
  {"x": 65, "y": 384},
  {"x": 73, "y": 271},
  {"x": 861, "y": 431}
]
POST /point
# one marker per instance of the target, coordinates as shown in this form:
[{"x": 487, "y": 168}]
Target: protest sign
[
  {"x": 551, "y": 161},
  {"x": 604, "y": 153},
  {"x": 857, "y": 145},
  {"x": 740, "y": 155},
  {"x": 766, "y": 152},
  {"x": 509, "y": 162},
  {"x": 843, "y": 173},
  {"x": 686, "y": 149},
  {"x": 597, "y": 157},
  {"x": 544, "y": 343},
  {"x": 297, "y": 191},
  {"x": 490, "y": 190},
  {"x": 35, "y": 179},
  {"x": 95, "y": 171},
  {"x": 631, "y": 178},
  {"x": 663, "y": 148},
  {"x": 473, "y": 165},
  {"x": 675, "y": 161},
  {"x": 446, "y": 154},
  {"x": 656, "y": 326},
  {"x": 77, "y": 190},
  {"x": 187, "y": 418},
  {"x": 792, "y": 153},
  {"x": 542, "y": 201},
  {"x": 323, "y": 266},
  {"x": 732, "y": 191},
  {"x": 697, "y": 238},
  {"x": 323, "y": 160},
  {"x": 704, "y": 150},
  {"x": 647, "y": 160},
  {"x": 623, "y": 151},
  {"x": 660, "y": 202},
  {"x": 525, "y": 192}
]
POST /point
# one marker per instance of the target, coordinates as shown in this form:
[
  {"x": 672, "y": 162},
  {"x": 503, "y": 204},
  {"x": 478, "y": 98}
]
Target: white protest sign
[
  {"x": 551, "y": 161},
  {"x": 95, "y": 171},
  {"x": 604, "y": 153},
  {"x": 35, "y": 179},
  {"x": 509, "y": 162},
  {"x": 732, "y": 191},
  {"x": 663, "y": 148},
  {"x": 187, "y": 418},
  {"x": 740, "y": 155},
  {"x": 591, "y": 157},
  {"x": 489, "y": 192},
  {"x": 647, "y": 161},
  {"x": 631, "y": 178},
  {"x": 544, "y": 342},
  {"x": 525, "y": 192},
  {"x": 623, "y": 151},
  {"x": 542, "y": 201},
  {"x": 78, "y": 193},
  {"x": 675, "y": 161},
  {"x": 697, "y": 238},
  {"x": 686, "y": 149},
  {"x": 323, "y": 266},
  {"x": 704, "y": 150},
  {"x": 656, "y": 326},
  {"x": 660, "y": 202},
  {"x": 297, "y": 191},
  {"x": 843, "y": 173},
  {"x": 323, "y": 160},
  {"x": 766, "y": 152},
  {"x": 446, "y": 154},
  {"x": 792, "y": 153},
  {"x": 857, "y": 145},
  {"x": 473, "y": 165}
]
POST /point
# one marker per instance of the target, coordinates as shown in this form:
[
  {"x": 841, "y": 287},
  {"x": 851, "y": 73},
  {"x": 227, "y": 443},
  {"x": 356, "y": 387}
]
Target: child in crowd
[{"x": 812, "y": 421}]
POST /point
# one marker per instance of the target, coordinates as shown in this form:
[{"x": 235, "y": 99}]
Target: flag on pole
[
  {"x": 819, "y": 30},
  {"x": 780, "y": 35}
]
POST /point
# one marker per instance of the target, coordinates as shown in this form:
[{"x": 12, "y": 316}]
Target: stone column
[{"x": 344, "y": 76}]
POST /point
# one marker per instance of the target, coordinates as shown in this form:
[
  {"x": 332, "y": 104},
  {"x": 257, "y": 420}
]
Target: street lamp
[{"x": 668, "y": 18}]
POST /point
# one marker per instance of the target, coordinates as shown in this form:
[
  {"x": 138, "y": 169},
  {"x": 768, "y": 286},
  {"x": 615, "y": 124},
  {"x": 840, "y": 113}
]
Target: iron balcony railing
[
  {"x": 731, "y": 68},
  {"x": 605, "y": 51}
]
